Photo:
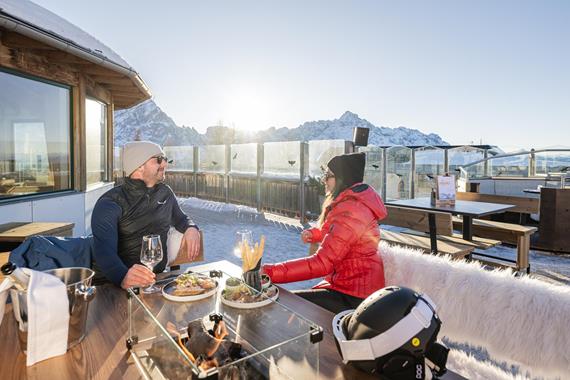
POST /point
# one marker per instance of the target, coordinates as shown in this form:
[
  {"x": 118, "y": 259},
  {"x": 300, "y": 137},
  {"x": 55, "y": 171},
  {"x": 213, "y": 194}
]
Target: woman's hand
[{"x": 307, "y": 236}]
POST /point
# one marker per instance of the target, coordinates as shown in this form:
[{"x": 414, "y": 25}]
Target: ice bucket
[{"x": 79, "y": 292}]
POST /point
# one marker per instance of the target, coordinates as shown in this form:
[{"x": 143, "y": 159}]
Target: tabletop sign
[{"x": 445, "y": 190}]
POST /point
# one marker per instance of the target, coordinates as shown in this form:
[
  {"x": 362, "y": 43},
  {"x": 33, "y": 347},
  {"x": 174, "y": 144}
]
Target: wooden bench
[
  {"x": 457, "y": 251},
  {"x": 522, "y": 205},
  {"x": 417, "y": 223},
  {"x": 509, "y": 233}
]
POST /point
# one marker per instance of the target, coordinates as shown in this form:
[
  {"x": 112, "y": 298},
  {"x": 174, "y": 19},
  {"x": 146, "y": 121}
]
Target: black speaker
[{"x": 360, "y": 136}]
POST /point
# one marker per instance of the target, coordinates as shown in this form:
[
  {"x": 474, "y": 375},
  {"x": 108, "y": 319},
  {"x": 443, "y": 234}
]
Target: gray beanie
[{"x": 137, "y": 153}]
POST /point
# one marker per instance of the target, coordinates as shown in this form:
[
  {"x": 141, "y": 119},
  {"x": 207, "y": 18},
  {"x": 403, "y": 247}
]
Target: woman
[{"x": 349, "y": 236}]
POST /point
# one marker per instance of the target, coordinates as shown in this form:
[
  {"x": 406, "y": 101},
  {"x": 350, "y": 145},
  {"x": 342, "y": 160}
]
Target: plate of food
[
  {"x": 244, "y": 297},
  {"x": 189, "y": 287}
]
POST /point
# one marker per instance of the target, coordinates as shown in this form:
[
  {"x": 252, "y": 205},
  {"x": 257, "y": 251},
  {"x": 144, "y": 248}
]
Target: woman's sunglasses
[{"x": 327, "y": 175}]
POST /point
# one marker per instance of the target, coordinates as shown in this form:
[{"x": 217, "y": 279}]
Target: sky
[{"x": 487, "y": 71}]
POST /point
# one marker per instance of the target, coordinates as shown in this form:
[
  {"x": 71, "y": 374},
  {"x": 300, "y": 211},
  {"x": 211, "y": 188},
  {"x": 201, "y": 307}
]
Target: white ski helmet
[{"x": 391, "y": 334}]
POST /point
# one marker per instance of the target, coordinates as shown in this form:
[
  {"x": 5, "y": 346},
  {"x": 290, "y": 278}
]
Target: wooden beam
[{"x": 15, "y": 40}]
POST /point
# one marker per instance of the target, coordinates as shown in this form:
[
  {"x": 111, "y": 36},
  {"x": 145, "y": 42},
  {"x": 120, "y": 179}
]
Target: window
[
  {"x": 96, "y": 140},
  {"x": 35, "y": 136}
]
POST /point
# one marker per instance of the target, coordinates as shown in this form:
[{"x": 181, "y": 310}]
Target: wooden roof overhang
[{"x": 34, "y": 51}]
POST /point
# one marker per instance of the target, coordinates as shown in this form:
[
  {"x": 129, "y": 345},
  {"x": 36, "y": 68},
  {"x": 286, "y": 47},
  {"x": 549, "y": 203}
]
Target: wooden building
[{"x": 59, "y": 87}]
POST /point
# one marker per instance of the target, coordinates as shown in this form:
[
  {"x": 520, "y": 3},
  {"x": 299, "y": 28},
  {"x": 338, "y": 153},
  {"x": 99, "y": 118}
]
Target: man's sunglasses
[{"x": 159, "y": 159}]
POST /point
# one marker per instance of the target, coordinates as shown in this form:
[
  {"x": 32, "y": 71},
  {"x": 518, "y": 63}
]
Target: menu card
[{"x": 445, "y": 190}]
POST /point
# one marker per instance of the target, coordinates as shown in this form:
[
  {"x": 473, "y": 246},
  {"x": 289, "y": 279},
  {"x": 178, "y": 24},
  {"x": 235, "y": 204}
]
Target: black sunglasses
[{"x": 159, "y": 159}]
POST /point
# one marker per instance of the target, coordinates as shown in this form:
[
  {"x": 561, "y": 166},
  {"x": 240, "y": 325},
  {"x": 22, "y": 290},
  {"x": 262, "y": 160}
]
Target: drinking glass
[
  {"x": 151, "y": 254},
  {"x": 242, "y": 237}
]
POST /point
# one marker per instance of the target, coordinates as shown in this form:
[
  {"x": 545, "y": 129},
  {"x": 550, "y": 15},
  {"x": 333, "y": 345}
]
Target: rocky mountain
[{"x": 148, "y": 122}]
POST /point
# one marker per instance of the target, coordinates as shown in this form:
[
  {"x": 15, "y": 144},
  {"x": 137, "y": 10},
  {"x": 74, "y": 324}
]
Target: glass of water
[{"x": 151, "y": 254}]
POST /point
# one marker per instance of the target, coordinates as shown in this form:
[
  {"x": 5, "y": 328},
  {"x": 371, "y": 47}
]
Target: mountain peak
[{"x": 349, "y": 116}]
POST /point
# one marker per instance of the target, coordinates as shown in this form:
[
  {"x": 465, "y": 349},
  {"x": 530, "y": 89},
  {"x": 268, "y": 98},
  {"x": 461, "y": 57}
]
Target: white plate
[
  {"x": 251, "y": 305},
  {"x": 171, "y": 297}
]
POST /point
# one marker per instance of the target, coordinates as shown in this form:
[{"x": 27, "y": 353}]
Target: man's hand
[
  {"x": 138, "y": 275},
  {"x": 306, "y": 236},
  {"x": 190, "y": 244}
]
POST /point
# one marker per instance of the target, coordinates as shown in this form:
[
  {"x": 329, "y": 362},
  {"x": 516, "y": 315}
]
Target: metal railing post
[
  {"x": 532, "y": 164},
  {"x": 384, "y": 172},
  {"x": 228, "y": 169},
  {"x": 196, "y": 167},
  {"x": 445, "y": 161},
  {"x": 303, "y": 172},
  {"x": 413, "y": 181},
  {"x": 349, "y": 147},
  {"x": 259, "y": 199},
  {"x": 486, "y": 163}
]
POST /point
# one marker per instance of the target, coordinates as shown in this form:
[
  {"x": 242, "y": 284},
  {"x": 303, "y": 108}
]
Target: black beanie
[{"x": 349, "y": 168}]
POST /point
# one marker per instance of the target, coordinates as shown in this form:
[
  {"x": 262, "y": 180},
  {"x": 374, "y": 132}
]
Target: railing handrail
[{"x": 532, "y": 151}]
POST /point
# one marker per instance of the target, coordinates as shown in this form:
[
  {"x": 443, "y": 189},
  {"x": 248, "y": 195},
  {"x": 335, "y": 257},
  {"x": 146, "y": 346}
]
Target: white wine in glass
[{"x": 151, "y": 254}]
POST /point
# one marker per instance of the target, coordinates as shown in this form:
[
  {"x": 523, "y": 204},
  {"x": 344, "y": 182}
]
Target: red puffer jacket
[{"x": 348, "y": 255}]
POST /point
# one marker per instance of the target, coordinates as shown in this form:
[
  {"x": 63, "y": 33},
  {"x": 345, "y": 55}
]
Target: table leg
[
  {"x": 432, "y": 233},
  {"x": 467, "y": 227}
]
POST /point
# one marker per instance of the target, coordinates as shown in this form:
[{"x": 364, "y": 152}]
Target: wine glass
[
  {"x": 151, "y": 254},
  {"x": 242, "y": 237}
]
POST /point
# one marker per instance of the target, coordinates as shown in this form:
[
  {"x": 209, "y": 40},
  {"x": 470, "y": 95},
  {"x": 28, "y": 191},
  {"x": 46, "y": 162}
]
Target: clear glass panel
[
  {"x": 182, "y": 158},
  {"x": 271, "y": 341},
  {"x": 552, "y": 162},
  {"x": 398, "y": 172},
  {"x": 212, "y": 158},
  {"x": 429, "y": 164},
  {"x": 96, "y": 141},
  {"x": 321, "y": 151},
  {"x": 464, "y": 155},
  {"x": 244, "y": 158},
  {"x": 373, "y": 169},
  {"x": 282, "y": 158},
  {"x": 509, "y": 166},
  {"x": 35, "y": 136}
]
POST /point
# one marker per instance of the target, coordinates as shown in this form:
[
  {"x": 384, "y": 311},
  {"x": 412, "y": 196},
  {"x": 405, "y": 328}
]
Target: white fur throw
[{"x": 522, "y": 321}]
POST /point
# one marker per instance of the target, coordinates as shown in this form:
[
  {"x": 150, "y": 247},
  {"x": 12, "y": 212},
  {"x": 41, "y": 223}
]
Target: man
[{"x": 142, "y": 205}]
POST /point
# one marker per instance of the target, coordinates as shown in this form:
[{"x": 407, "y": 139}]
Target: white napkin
[
  {"x": 4, "y": 287},
  {"x": 48, "y": 317},
  {"x": 173, "y": 242}
]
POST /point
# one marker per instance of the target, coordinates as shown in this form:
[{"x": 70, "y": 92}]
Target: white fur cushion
[{"x": 522, "y": 321}]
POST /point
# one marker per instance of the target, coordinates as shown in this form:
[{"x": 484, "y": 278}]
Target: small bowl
[
  {"x": 265, "y": 281},
  {"x": 233, "y": 283}
]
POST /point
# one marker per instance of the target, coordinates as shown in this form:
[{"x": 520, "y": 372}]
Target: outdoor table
[
  {"x": 103, "y": 353},
  {"x": 467, "y": 209}
]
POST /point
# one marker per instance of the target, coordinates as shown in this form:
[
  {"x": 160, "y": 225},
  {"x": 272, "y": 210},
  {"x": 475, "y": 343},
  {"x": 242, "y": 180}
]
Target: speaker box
[{"x": 360, "y": 136}]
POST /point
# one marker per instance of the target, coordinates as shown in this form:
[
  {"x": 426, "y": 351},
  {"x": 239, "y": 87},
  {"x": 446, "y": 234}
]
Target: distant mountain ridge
[{"x": 148, "y": 122}]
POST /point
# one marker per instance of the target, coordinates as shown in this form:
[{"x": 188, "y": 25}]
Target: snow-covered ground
[{"x": 221, "y": 221}]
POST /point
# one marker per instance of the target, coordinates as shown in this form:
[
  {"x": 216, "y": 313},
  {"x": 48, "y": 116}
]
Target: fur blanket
[{"x": 521, "y": 322}]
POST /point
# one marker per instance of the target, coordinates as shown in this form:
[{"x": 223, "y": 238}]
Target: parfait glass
[{"x": 151, "y": 254}]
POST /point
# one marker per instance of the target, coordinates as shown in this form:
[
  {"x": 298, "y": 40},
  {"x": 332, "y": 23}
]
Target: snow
[
  {"x": 55, "y": 25},
  {"x": 221, "y": 221}
]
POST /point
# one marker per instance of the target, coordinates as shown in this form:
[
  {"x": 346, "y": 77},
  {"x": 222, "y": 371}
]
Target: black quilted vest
[{"x": 145, "y": 211}]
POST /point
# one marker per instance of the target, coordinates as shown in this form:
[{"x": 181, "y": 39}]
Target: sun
[{"x": 248, "y": 108}]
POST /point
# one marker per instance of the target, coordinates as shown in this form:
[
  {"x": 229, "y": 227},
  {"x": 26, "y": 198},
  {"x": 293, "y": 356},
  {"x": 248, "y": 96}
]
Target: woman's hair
[{"x": 339, "y": 187}]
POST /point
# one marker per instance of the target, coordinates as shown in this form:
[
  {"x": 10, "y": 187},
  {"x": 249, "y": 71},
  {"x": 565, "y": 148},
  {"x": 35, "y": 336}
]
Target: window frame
[{"x": 48, "y": 194}]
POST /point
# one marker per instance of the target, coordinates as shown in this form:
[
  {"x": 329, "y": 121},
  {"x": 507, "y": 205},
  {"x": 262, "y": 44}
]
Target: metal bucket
[{"x": 79, "y": 292}]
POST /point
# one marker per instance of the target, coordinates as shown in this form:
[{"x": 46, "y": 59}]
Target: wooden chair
[{"x": 183, "y": 259}]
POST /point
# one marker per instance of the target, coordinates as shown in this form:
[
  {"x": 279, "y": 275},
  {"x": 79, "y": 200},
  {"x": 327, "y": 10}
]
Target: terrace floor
[{"x": 221, "y": 221}]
